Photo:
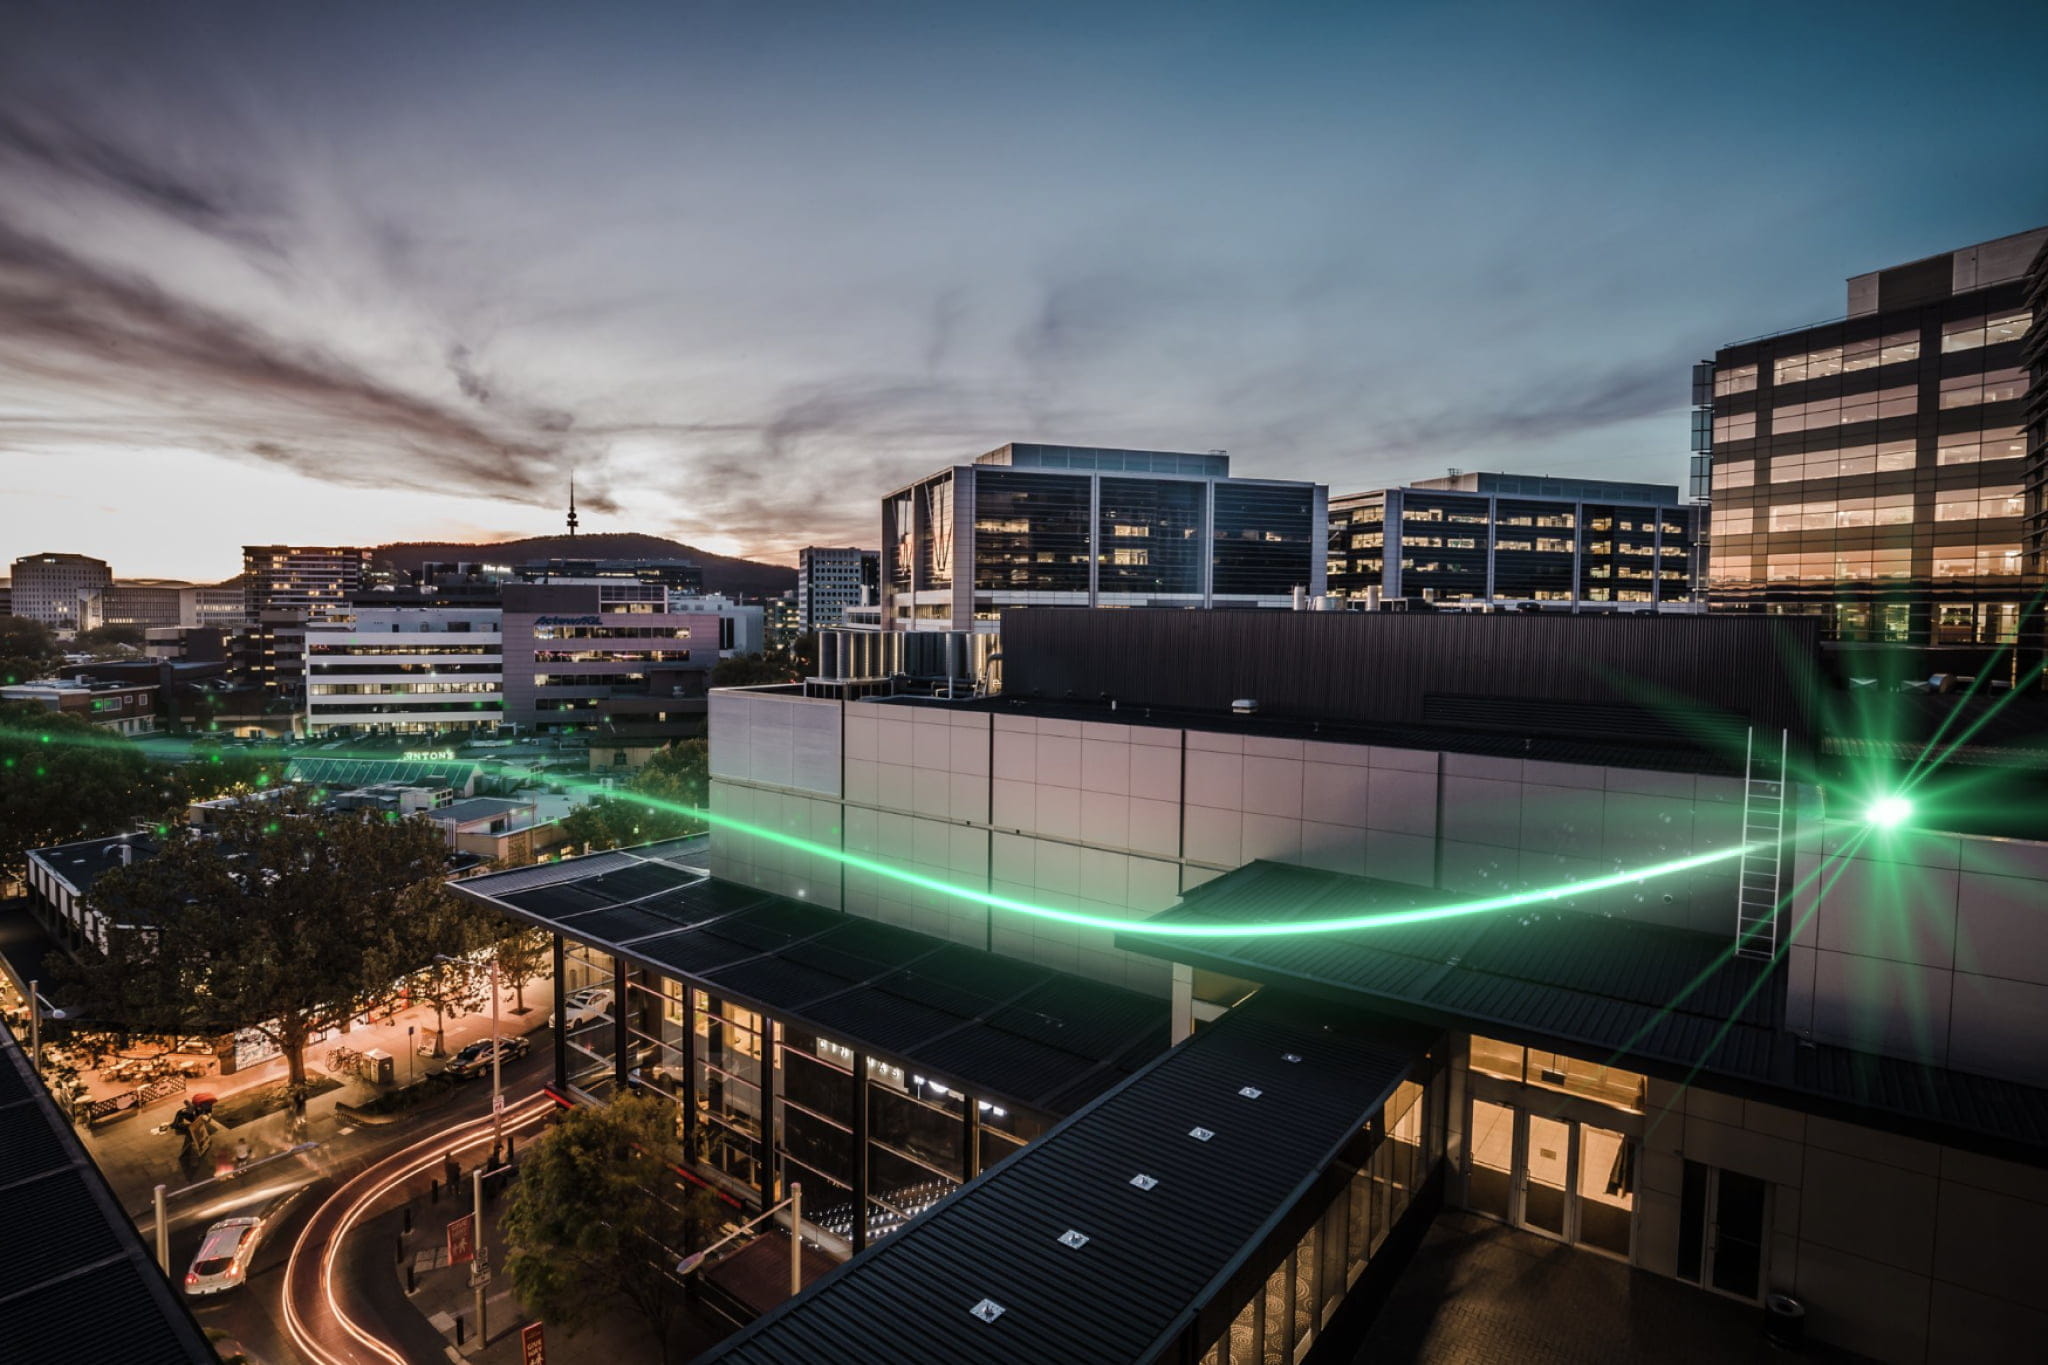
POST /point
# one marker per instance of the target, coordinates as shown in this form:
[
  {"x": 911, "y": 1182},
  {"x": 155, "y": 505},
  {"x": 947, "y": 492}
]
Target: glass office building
[
  {"x": 1035, "y": 525},
  {"x": 1873, "y": 471},
  {"x": 1515, "y": 539}
]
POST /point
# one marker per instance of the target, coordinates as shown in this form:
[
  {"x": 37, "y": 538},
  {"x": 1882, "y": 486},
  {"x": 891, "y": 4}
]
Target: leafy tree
[
  {"x": 286, "y": 923},
  {"x": 752, "y": 670},
  {"x": 524, "y": 955},
  {"x": 437, "y": 924},
  {"x": 599, "y": 1215},
  {"x": 63, "y": 778},
  {"x": 28, "y": 649},
  {"x": 677, "y": 775},
  {"x": 119, "y": 640}
]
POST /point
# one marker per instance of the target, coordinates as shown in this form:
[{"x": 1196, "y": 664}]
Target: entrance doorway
[
  {"x": 1562, "y": 1178},
  {"x": 1721, "y": 1222}
]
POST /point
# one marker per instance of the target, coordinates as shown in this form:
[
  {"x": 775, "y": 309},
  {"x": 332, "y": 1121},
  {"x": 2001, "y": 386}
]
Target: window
[
  {"x": 1968, "y": 334},
  {"x": 1969, "y": 447},
  {"x": 1265, "y": 538},
  {"x": 1902, "y": 401},
  {"x": 1734, "y": 473},
  {"x": 1846, "y": 359},
  {"x": 1734, "y": 426},
  {"x": 1993, "y": 386},
  {"x": 1555, "y": 1071},
  {"x": 1734, "y": 379},
  {"x": 1166, "y": 516}
]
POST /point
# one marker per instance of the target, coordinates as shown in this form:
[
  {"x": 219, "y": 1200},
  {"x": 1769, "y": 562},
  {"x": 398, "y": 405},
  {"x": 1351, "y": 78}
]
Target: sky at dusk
[{"x": 353, "y": 273}]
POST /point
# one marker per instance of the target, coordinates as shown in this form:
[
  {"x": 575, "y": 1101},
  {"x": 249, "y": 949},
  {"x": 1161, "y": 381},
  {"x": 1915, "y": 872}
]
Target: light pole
[{"x": 497, "y": 1083}]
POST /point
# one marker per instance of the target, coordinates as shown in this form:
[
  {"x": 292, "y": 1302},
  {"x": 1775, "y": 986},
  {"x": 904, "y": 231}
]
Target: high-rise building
[
  {"x": 1571, "y": 544},
  {"x": 1873, "y": 471},
  {"x": 221, "y": 606},
  {"x": 316, "y": 581},
  {"x": 1039, "y": 525},
  {"x": 407, "y": 670},
  {"x": 46, "y": 586},
  {"x": 829, "y": 579}
]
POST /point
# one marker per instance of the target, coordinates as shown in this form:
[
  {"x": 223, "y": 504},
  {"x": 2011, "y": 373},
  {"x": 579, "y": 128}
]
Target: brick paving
[{"x": 1480, "y": 1293}]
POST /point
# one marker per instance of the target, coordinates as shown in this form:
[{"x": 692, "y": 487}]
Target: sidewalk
[{"x": 136, "y": 1160}]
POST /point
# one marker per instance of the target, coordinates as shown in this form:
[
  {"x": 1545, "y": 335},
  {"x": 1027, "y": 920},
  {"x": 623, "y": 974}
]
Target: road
[{"x": 347, "y": 1164}]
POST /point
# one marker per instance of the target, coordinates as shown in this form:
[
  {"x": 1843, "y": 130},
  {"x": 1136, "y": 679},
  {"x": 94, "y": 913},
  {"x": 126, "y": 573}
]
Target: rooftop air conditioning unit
[{"x": 1245, "y": 706}]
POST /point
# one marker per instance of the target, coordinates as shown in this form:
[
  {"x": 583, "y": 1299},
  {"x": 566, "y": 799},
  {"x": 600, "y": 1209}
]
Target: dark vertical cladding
[{"x": 1614, "y": 676}]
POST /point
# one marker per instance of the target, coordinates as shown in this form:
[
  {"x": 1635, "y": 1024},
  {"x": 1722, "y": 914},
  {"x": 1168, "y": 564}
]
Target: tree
[
  {"x": 117, "y": 641},
  {"x": 28, "y": 649},
  {"x": 63, "y": 778},
  {"x": 284, "y": 924},
  {"x": 752, "y": 670},
  {"x": 431, "y": 944},
  {"x": 524, "y": 955},
  {"x": 599, "y": 1213},
  {"x": 677, "y": 776}
]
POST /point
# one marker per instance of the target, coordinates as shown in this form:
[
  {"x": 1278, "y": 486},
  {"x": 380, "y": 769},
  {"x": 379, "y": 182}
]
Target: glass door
[
  {"x": 1546, "y": 1175},
  {"x": 1490, "y": 1180},
  {"x": 1606, "y": 1202},
  {"x": 1736, "y": 1249}
]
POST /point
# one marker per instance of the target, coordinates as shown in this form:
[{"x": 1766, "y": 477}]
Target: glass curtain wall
[
  {"x": 1150, "y": 537},
  {"x": 1444, "y": 545},
  {"x": 1535, "y": 551},
  {"x": 1030, "y": 531},
  {"x": 726, "y": 1088},
  {"x": 1266, "y": 539},
  {"x": 592, "y": 1032},
  {"x": 1280, "y": 1323}
]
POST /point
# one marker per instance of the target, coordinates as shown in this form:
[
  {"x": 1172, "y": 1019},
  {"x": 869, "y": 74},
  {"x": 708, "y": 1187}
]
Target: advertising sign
[
  {"x": 533, "y": 1349},
  {"x": 462, "y": 1240}
]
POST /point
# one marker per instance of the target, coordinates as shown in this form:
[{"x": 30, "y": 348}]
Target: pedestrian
[{"x": 453, "y": 1170}]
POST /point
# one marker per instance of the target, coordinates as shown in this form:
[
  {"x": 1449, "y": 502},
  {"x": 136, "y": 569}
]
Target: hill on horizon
[{"x": 722, "y": 573}]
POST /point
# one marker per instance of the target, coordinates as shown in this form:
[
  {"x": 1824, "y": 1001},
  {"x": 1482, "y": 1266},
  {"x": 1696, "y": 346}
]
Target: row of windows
[
  {"x": 1856, "y": 355},
  {"x": 611, "y": 656},
  {"x": 424, "y": 647},
  {"x": 1955, "y": 448},
  {"x": 1993, "y": 386},
  {"x": 587, "y": 679},
  {"x": 1734, "y": 379},
  {"x": 1970, "y": 333},
  {"x": 396, "y": 689},
  {"x": 1822, "y": 566},
  {"x": 338, "y": 670},
  {"x": 611, "y": 632},
  {"x": 1902, "y": 401},
  {"x": 1895, "y": 509}
]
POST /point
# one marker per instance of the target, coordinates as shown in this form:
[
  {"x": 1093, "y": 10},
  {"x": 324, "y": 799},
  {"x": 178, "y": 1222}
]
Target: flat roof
[
  {"x": 479, "y": 808},
  {"x": 82, "y": 861},
  {"x": 1155, "y": 1256},
  {"x": 994, "y": 1027},
  {"x": 76, "y": 1282},
  {"x": 1670, "y": 1002},
  {"x": 347, "y": 774}
]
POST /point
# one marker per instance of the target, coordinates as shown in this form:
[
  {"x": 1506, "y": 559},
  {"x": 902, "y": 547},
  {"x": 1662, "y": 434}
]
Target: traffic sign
[{"x": 462, "y": 1240}]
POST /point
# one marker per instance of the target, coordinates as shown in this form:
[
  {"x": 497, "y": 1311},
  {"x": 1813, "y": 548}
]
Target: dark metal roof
[
  {"x": 1661, "y": 1000},
  {"x": 995, "y": 1027},
  {"x": 82, "y": 861},
  {"x": 76, "y": 1283},
  {"x": 1153, "y": 1257},
  {"x": 368, "y": 772}
]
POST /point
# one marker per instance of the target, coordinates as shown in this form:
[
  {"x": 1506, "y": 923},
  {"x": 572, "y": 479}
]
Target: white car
[
  {"x": 590, "y": 1003},
  {"x": 224, "y": 1255}
]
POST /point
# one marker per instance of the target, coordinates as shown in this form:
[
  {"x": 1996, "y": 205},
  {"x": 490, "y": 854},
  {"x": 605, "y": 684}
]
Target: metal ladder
[{"x": 1764, "y": 795}]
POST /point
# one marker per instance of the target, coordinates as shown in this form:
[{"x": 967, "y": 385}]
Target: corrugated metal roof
[
  {"x": 77, "y": 1286},
  {"x": 1586, "y": 983},
  {"x": 1153, "y": 1257},
  {"x": 992, "y": 1027}
]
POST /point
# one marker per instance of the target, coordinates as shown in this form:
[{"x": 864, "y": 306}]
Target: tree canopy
[
  {"x": 290, "y": 921},
  {"x": 600, "y": 1215},
  {"x": 28, "y": 650},
  {"x": 678, "y": 775}
]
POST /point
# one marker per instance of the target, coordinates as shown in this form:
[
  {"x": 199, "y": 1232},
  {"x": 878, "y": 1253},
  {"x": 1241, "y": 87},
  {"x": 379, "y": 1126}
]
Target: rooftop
[
  {"x": 991, "y": 1026},
  {"x": 1668, "y": 1002},
  {"x": 1154, "y": 1255},
  {"x": 82, "y": 1287}
]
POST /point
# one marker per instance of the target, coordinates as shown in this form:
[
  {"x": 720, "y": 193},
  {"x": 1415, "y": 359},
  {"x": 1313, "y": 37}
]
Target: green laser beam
[
  {"x": 1919, "y": 773},
  {"x": 1983, "y": 676}
]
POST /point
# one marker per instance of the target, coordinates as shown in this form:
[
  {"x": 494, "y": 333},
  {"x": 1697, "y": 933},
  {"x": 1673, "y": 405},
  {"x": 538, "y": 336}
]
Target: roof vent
[
  {"x": 1290, "y": 1056},
  {"x": 1245, "y": 706},
  {"x": 988, "y": 1310},
  {"x": 1250, "y": 1092},
  {"x": 1071, "y": 1238},
  {"x": 1200, "y": 1134},
  {"x": 1143, "y": 1181}
]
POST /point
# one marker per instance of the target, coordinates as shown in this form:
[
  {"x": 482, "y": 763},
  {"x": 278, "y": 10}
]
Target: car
[
  {"x": 475, "y": 1059},
  {"x": 592, "y": 1002},
  {"x": 228, "y": 1246}
]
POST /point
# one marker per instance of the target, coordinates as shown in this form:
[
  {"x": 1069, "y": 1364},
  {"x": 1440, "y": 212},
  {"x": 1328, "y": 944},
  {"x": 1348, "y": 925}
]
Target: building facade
[
  {"x": 46, "y": 587},
  {"x": 128, "y": 709},
  {"x": 829, "y": 579},
  {"x": 315, "y": 581},
  {"x": 1874, "y": 471},
  {"x": 577, "y": 656},
  {"x": 1514, "y": 539},
  {"x": 406, "y": 670},
  {"x": 150, "y": 605},
  {"x": 1038, "y": 525},
  {"x": 742, "y": 626}
]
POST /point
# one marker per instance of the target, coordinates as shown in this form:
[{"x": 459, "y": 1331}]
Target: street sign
[
  {"x": 533, "y": 1349},
  {"x": 462, "y": 1240},
  {"x": 498, "y": 1103}
]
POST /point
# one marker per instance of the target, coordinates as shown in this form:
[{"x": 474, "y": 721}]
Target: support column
[
  {"x": 689, "y": 1071},
  {"x": 764, "y": 1145},
  {"x": 561, "y": 1019},
  {"x": 622, "y": 1060},
  {"x": 970, "y": 1138},
  {"x": 860, "y": 1152}
]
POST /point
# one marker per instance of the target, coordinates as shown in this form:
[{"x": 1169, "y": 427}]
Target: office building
[
  {"x": 680, "y": 575},
  {"x": 221, "y": 606},
  {"x": 1039, "y": 525},
  {"x": 46, "y": 586},
  {"x": 829, "y": 579},
  {"x": 781, "y": 621},
  {"x": 742, "y": 626},
  {"x": 316, "y": 582},
  {"x": 269, "y": 653},
  {"x": 406, "y": 670},
  {"x": 1516, "y": 540},
  {"x": 584, "y": 656},
  {"x": 125, "y": 708},
  {"x": 149, "y": 604},
  {"x": 1873, "y": 471}
]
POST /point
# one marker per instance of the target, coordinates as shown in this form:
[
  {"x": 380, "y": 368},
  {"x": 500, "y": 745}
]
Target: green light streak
[
  {"x": 1888, "y": 812},
  {"x": 1921, "y": 764},
  {"x": 1923, "y": 769}
]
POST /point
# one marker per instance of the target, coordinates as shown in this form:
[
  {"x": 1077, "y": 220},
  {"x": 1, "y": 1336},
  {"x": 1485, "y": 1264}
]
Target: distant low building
[
  {"x": 127, "y": 708},
  {"x": 45, "y": 587}
]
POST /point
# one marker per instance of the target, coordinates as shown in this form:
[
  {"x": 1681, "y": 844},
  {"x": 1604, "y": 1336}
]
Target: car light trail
[{"x": 348, "y": 1205}]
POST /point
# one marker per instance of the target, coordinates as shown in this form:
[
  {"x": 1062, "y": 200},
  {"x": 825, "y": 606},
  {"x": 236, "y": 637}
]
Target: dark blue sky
[{"x": 363, "y": 272}]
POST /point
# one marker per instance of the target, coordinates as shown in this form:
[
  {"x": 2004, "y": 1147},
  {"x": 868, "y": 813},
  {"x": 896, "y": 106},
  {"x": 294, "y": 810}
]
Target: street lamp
[{"x": 497, "y": 1061}]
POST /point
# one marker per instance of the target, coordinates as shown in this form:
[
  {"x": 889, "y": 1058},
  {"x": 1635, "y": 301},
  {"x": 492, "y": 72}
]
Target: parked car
[
  {"x": 475, "y": 1059},
  {"x": 592, "y": 1002},
  {"x": 228, "y": 1247}
]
